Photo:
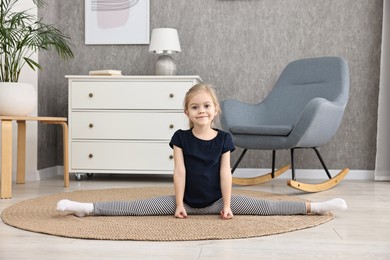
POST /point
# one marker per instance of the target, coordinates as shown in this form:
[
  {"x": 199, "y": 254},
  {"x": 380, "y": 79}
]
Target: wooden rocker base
[
  {"x": 320, "y": 186},
  {"x": 260, "y": 179}
]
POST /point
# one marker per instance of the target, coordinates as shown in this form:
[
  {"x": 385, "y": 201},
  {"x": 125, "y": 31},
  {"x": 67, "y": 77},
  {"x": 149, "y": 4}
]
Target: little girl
[{"x": 202, "y": 175}]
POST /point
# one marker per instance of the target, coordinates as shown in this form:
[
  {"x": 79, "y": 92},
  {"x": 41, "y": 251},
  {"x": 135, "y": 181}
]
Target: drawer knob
[
  {"x": 90, "y": 125},
  {"x": 171, "y": 157},
  {"x": 90, "y": 94},
  {"x": 171, "y": 126},
  {"x": 171, "y": 95},
  {"x": 90, "y": 155}
]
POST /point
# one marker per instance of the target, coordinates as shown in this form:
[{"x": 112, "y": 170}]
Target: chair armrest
[
  {"x": 234, "y": 112},
  {"x": 318, "y": 123}
]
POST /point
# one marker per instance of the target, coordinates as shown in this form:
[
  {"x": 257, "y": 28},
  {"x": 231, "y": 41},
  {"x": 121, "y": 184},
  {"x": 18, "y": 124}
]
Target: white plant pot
[{"x": 17, "y": 99}]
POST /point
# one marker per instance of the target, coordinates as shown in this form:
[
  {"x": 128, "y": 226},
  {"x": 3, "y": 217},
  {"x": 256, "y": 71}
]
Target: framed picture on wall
[{"x": 117, "y": 21}]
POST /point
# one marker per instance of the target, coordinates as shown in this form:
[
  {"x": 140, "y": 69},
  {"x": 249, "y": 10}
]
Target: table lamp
[{"x": 164, "y": 41}]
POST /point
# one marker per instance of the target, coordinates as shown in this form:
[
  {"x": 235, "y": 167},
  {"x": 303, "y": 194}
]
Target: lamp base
[{"x": 165, "y": 65}]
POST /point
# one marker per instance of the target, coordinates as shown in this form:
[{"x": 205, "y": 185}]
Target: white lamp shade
[{"x": 164, "y": 40}]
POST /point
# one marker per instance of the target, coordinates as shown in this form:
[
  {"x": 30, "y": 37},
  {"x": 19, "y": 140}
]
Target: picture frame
[{"x": 117, "y": 22}]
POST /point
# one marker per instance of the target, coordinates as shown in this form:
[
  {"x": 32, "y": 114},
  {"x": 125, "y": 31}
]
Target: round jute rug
[{"x": 40, "y": 215}]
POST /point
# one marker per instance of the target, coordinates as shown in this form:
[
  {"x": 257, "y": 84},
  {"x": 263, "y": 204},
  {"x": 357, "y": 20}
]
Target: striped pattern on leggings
[{"x": 166, "y": 205}]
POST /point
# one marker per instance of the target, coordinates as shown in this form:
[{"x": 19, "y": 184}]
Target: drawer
[
  {"x": 117, "y": 156},
  {"x": 128, "y": 94},
  {"x": 126, "y": 125}
]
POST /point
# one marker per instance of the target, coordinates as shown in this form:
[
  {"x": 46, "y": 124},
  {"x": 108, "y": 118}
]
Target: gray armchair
[{"x": 303, "y": 110}]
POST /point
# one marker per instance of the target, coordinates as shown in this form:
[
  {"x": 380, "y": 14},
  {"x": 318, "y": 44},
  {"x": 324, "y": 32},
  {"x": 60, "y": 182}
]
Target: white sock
[
  {"x": 329, "y": 205},
  {"x": 79, "y": 209}
]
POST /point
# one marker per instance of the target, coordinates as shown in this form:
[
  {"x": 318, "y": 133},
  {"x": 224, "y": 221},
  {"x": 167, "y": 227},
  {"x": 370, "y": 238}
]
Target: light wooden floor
[{"x": 361, "y": 232}]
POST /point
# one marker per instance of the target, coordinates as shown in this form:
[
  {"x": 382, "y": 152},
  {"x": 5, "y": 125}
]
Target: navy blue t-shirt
[{"x": 202, "y": 160}]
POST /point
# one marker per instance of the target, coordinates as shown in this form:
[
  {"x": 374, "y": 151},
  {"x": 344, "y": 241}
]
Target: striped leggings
[{"x": 166, "y": 205}]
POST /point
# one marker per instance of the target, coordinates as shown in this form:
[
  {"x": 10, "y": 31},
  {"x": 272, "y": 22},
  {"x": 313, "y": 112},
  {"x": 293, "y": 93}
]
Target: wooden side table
[{"x": 6, "y": 150}]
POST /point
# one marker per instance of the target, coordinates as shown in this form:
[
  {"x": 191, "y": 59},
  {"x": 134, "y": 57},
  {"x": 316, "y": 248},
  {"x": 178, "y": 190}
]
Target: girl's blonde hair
[{"x": 196, "y": 89}]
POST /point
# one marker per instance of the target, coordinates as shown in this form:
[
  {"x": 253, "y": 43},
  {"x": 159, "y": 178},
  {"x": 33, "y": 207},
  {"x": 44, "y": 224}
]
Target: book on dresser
[{"x": 105, "y": 73}]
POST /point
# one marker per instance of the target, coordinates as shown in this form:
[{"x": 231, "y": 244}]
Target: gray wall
[{"x": 240, "y": 47}]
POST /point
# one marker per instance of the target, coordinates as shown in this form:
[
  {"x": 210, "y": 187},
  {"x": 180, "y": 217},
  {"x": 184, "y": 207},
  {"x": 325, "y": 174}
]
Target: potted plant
[{"x": 21, "y": 35}]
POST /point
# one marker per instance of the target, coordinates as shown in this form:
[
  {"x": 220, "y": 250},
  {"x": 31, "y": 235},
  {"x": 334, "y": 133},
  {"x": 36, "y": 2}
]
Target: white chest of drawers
[{"x": 123, "y": 124}]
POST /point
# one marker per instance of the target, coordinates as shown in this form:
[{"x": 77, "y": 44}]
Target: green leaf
[{"x": 32, "y": 63}]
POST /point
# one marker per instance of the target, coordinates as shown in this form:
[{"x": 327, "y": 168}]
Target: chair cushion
[{"x": 273, "y": 130}]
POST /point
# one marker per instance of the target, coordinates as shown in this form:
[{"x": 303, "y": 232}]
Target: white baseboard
[
  {"x": 315, "y": 174},
  {"x": 382, "y": 175},
  {"x": 50, "y": 172},
  {"x": 306, "y": 174},
  {"x": 382, "y": 178}
]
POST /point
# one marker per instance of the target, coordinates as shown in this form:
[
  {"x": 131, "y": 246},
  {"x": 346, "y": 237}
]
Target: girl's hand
[
  {"x": 226, "y": 213},
  {"x": 180, "y": 212}
]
